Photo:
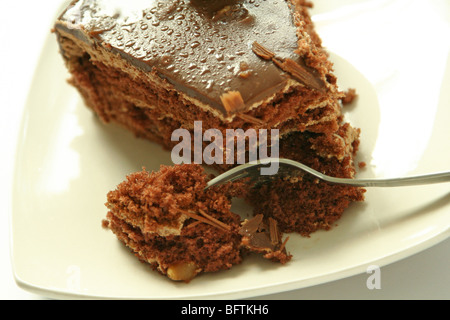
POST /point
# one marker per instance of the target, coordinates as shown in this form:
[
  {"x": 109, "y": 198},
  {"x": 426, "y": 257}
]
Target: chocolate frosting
[{"x": 202, "y": 47}]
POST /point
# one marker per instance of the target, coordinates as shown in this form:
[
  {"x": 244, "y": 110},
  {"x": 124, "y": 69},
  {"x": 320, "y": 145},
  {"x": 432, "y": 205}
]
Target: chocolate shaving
[
  {"x": 206, "y": 219},
  {"x": 220, "y": 223},
  {"x": 263, "y": 237},
  {"x": 291, "y": 67},
  {"x": 194, "y": 224},
  {"x": 262, "y": 52},
  {"x": 250, "y": 227},
  {"x": 261, "y": 242},
  {"x": 250, "y": 119},
  {"x": 233, "y": 101},
  {"x": 273, "y": 227},
  {"x": 283, "y": 245},
  {"x": 259, "y": 236}
]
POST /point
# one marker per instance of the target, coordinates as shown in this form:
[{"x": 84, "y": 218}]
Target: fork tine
[
  {"x": 249, "y": 170},
  {"x": 237, "y": 176},
  {"x": 227, "y": 177}
]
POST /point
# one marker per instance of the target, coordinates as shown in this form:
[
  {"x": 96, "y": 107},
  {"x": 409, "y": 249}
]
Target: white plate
[{"x": 67, "y": 161}]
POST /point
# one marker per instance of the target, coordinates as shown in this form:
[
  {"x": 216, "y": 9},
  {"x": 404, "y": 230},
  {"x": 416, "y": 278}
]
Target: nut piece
[
  {"x": 183, "y": 271},
  {"x": 244, "y": 70}
]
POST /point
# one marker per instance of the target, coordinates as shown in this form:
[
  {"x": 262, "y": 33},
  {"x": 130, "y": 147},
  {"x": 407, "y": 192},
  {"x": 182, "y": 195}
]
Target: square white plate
[{"x": 67, "y": 161}]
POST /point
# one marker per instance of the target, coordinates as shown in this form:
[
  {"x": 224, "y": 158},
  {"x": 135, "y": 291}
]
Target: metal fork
[{"x": 291, "y": 168}]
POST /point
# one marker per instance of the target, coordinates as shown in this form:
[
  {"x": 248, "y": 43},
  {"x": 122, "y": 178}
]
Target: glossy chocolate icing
[{"x": 202, "y": 47}]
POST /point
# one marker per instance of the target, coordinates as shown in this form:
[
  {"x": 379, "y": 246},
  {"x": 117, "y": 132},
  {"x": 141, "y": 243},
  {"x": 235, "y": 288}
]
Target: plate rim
[
  {"x": 264, "y": 290},
  {"x": 255, "y": 292}
]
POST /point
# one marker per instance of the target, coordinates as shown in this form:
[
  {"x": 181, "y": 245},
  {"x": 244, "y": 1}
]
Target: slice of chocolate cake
[
  {"x": 167, "y": 64},
  {"x": 169, "y": 221},
  {"x": 157, "y": 66}
]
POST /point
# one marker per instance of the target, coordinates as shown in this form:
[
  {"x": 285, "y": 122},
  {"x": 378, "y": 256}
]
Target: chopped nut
[
  {"x": 219, "y": 14},
  {"x": 233, "y": 101},
  {"x": 245, "y": 74},
  {"x": 183, "y": 271},
  {"x": 235, "y": 12},
  {"x": 244, "y": 70},
  {"x": 244, "y": 66}
]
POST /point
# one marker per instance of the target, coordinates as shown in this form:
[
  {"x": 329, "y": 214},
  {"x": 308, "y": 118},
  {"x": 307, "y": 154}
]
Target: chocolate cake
[
  {"x": 157, "y": 66},
  {"x": 302, "y": 203},
  {"x": 169, "y": 221}
]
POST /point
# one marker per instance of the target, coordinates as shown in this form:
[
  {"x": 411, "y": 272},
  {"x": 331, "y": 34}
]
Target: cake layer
[
  {"x": 154, "y": 112},
  {"x": 95, "y": 71}
]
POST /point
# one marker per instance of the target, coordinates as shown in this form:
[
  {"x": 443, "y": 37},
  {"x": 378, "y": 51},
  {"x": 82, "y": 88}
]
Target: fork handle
[
  {"x": 394, "y": 182},
  {"x": 432, "y": 178}
]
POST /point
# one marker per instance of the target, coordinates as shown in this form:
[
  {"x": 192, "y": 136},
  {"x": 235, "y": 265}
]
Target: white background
[{"x": 24, "y": 26}]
